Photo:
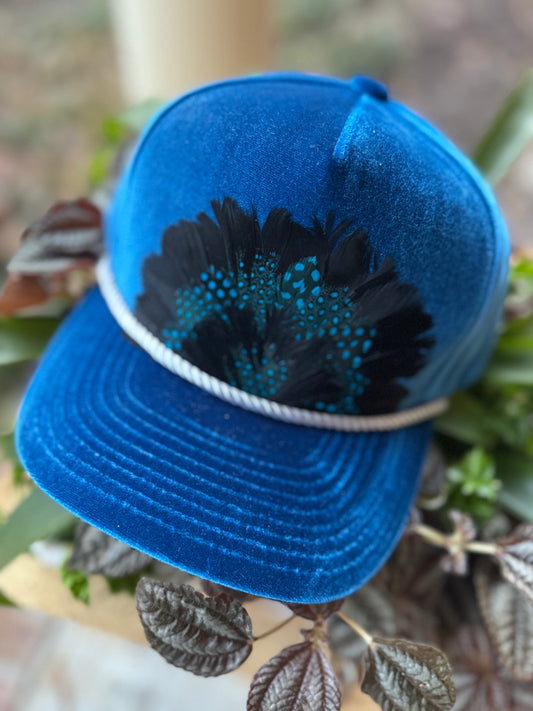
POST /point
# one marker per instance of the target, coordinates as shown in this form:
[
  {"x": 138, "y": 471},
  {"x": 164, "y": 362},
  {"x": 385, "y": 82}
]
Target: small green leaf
[
  {"x": 100, "y": 165},
  {"x": 473, "y": 484},
  {"x": 509, "y": 134},
  {"x": 115, "y": 129},
  {"x": 36, "y": 518},
  {"x": 77, "y": 582},
  {"x": 24, "y": 338}
]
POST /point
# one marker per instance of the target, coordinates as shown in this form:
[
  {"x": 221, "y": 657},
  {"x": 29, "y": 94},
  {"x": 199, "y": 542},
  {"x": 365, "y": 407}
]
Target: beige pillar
[{"x": 168, "y": 46}]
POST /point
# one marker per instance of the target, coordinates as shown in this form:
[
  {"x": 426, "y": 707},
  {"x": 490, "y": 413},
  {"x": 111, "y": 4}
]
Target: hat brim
[{"x": 278, "y": 510}]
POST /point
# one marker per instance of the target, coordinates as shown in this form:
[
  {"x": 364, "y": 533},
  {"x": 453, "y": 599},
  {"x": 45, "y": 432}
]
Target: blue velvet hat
[{"x": 298, "y": 271}]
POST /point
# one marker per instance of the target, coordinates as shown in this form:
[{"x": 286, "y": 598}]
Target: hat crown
[{"x": 356, "y": 177}]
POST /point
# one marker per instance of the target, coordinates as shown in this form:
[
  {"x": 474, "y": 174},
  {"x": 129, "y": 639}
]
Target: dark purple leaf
[
  {"x": 67, "y": 236},
  {"x": 508, "y": 615},
  {"x": 207, "y": 636},
  {"x": 299, "y": 678},
  {"x": 481, "y": 682},
  {"x": 95, "y": 552},
  {"x": 481, "y": 693},
  {"x": 317, "y": 611},
  {"x": 405, "y": 675},
  {"x": 515, "y": 553}
]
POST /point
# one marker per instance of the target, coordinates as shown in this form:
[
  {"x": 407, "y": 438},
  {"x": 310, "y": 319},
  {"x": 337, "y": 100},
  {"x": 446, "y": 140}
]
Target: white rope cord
[{"x": 294, "y": 415}]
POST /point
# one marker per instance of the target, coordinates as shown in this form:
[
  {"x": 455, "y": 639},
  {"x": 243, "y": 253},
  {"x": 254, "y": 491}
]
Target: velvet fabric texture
[{"x": 279, "y": 510}]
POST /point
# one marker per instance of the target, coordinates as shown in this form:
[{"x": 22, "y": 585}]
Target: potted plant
[{"x": 446, "y": 623}]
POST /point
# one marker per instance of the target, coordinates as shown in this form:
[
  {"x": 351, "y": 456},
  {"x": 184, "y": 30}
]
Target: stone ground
[{"x": 452, "y": 60}]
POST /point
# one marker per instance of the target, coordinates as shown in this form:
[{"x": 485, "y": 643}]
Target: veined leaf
[
  {"x": 482, "y": 684},
  {"x": 515, "y": 554},
  {"x": 403, "y": 674},
  {"x": 95, "y": 552},
  {"x": 299, "y": 677},
  {"x": 37, "y": 517},
  {"x": 510, "y": 132},
  {"x": 207, "y": 636},
  {"x": 508, "y": 615},
  {"x": 482, "y": 693},
  {"x": 24, "y": 338}
]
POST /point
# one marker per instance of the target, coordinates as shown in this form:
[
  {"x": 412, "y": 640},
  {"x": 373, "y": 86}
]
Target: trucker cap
[{"x": 298, "y": 271}]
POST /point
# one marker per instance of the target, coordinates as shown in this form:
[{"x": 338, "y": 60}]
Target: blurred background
[{"x": 66, "y": 65}]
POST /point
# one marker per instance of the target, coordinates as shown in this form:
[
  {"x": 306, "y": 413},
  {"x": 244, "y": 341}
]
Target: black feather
[{"x": 303, "y": 316}]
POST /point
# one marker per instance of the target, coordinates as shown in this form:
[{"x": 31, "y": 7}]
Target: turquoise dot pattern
[{"x": 313, "y": 310}]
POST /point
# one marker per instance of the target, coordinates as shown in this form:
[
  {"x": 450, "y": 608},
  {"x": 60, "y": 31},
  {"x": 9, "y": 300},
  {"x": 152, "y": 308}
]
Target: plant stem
[
  {"x": 431, "y": 535},
  {"x": 356, "y": 627},
  {"x": 481, "y": 547},
  {"x": 275, "y": 629}
]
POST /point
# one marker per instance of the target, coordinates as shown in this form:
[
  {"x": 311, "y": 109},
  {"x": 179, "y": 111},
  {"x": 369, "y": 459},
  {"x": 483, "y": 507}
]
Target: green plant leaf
[
  {"x": 510, "y": 367},
  {"x": 37, "y": 517},
  {"x": 465, "y": 421},
  {"x": 24, "y": 338},
  {"x": 509, "y": 134},
  {"x": 473, "y": 486},
  {"x": 77, "y": 582},
  {"x": 515, "y": 470}
]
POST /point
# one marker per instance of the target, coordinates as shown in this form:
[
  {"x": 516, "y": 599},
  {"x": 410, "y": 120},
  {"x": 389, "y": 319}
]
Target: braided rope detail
[{"x": 294, "y": 415}]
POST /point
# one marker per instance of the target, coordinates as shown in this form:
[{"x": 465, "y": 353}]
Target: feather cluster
[{"x": 304, "y": 316}]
